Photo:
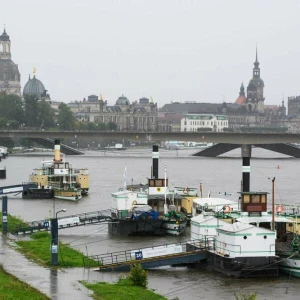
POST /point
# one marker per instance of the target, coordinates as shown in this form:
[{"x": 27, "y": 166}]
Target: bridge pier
[{"x": 246, "y": 155}]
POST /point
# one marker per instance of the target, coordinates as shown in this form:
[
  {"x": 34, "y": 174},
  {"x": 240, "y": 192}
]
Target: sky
[{"x": 170, "y": 50}]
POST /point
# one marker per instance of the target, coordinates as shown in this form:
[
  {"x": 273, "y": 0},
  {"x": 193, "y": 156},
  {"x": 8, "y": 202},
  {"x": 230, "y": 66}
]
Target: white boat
[
  {"x": 245, "y": 244},
  {"x": 131, "y": 215}
]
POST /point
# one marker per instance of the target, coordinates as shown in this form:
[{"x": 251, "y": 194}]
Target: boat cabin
[
  {"x": 158, "y": 186},
  {"x": 254, "y": 202}
]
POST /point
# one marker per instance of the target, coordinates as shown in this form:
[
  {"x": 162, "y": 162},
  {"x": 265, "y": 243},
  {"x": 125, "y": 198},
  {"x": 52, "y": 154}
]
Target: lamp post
[{"x": 54, "y": 239}]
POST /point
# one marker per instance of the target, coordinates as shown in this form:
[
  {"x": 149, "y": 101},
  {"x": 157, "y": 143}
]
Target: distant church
[
  {"x": 254, "y": 101},
  {"x": 10, "y": 78}
]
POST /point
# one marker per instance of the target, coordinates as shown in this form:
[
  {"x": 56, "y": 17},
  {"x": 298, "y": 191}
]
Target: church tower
[
  {"x": 9, "y": 72},
  {"x": 255, "y": 91}
]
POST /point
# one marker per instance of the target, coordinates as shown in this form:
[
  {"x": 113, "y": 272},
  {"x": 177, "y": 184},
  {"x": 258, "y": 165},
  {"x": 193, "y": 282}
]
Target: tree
[
  {"x": 11, "y": 109},
  {"x": 46, "y": 115},
  {"x": 112, "y": 126},
  {"x": 32, "y": 111},
  {"x": 66, "y": 120}
]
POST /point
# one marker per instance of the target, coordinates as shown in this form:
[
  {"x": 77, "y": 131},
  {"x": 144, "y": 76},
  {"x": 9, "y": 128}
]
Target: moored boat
[
  {"x": 131, "y": 215},
  {"x": 60, "y": 177}
]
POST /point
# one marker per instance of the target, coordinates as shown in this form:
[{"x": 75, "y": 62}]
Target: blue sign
[
  {"x": 46, "y": 224},
  {"x": 138, "y": 255}
]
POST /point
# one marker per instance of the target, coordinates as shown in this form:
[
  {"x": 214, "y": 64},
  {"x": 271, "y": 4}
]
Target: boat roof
[
  {"x": 235, "y": 227},
  {"x": 213, "y": 201},
  {"x": 264, "y": 219}
]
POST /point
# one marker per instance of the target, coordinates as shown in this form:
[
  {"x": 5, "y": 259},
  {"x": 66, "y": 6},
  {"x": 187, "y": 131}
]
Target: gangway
[
  {"x": 170, "y": 254},
  {"x": 17, "y": 188},
  {"x": 65, "y": 222}
]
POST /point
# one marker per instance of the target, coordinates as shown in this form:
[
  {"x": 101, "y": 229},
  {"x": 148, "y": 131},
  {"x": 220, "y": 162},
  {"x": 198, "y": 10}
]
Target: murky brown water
[{"x": 106, "y": 176}]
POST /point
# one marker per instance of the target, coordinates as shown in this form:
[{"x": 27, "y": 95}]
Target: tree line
[{"x": 37, "y": 114}]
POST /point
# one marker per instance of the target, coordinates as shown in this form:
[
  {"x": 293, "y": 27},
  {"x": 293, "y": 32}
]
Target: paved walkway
[{"x": 56, "y": 284}]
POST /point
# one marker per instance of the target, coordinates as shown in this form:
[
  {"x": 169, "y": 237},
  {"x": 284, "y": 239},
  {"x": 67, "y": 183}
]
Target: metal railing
[{"x": 128, "y": 256}]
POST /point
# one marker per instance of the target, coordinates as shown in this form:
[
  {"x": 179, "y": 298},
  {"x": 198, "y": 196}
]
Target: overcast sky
[{"x": 169, "y": 50}]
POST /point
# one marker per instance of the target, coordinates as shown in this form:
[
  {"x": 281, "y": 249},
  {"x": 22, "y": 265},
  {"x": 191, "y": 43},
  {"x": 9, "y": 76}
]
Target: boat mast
[
  {"x": 165, "y": 205},
  {"x": 273, "y": 206}
]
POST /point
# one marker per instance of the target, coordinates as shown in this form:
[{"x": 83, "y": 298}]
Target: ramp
[
  {"x": 170, "y": 254},
  {"x": 64, "y": 148},
  {"x": 17, "y": 188},
  {"x": 216, "y": 150},
  {"x": 65, "y": 222}
]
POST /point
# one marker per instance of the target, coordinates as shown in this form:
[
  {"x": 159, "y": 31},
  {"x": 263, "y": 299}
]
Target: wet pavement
[{"x": 56, "y": 284}]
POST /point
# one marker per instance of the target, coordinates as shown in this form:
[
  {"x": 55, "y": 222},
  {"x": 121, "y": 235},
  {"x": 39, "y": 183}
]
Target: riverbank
[{"x": 54, "y": 283}]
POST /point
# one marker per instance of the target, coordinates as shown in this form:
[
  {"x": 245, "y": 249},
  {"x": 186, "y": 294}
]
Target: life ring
[
  {"x": 227, "y": 209},
  {"x": 134, "y": 202},
  {"x": 279, "y": 209}
]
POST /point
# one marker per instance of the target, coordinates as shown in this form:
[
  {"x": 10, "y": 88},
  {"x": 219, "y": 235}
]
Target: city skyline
[{"x": 168, "y": 50}]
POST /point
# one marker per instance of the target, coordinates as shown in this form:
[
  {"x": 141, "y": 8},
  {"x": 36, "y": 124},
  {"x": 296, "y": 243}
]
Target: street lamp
[{"x": 54, "y": 239}]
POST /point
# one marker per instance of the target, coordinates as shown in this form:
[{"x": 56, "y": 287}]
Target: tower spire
[{"x": 256, "y": 70}]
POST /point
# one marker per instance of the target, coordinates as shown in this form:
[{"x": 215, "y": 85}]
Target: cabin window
[
  {"x": 56, "y": 166},
  {"x": 245, "y": 237},
  {"x": 151, "y": 182},
  {"x": 263, "y": 199},
  {"x": 255, "y": 199},
  {"x": 246, "y": 199},
  {"x": 159, "y": 182},
  {"x": 265, "y": 237}
]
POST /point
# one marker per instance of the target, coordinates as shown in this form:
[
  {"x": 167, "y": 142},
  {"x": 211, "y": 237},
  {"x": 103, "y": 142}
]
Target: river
[{"x": 217, "y": 175}]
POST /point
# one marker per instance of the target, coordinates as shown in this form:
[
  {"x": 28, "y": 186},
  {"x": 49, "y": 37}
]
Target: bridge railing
[
  {"x": 165, "y": 250},
  {"x": 64, "y": 222}
]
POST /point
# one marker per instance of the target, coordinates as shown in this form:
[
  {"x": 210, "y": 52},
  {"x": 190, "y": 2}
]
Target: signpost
[{"x": 4, "y": 214}]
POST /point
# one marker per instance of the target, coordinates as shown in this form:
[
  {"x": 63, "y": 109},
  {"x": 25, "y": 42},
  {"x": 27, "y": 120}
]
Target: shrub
[{"x": 138, "y": 276}]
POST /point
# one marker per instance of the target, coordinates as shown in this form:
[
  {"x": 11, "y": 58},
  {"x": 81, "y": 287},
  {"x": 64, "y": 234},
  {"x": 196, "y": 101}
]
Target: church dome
[
  {"x": 4, "y": 36},
  {"x": 122, "y": 100},
  {"x": 34, "y": 87},
  {"x": 9, "y": 70},
  {"x": 254, "y": 83}
]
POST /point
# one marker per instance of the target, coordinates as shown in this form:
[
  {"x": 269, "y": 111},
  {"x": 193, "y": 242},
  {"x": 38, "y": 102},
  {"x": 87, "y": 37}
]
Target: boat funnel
[
  {"x": 57, "y": 151},
  {"x": 155, "y": 157}
]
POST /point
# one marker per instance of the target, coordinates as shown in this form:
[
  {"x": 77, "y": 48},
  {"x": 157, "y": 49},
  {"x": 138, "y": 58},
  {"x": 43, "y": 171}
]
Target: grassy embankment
[
  {"x": 12, "y": 288},
  {"x": 123, "y": 289},
  {"x": 38, "y": 250}
]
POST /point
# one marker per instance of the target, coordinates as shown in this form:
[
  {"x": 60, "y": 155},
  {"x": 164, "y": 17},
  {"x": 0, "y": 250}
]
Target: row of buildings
[{"x": 249, "y": 109}]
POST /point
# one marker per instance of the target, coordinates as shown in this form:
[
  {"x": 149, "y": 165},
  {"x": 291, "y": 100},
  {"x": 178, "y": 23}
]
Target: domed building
[
  {"x": 122, "y": 100},
  {"x": 255, "y": 91},
  {"x": 9, "y": 73},
  {"x": 35, "y": 87}
]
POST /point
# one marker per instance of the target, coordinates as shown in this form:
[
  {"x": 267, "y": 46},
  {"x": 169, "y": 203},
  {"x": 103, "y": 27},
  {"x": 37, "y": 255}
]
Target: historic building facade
[
  {"x": 139, "y": 115},
  {"x": 10, "y": 78},
  {"x": 198, "y": 122},
  {"x": 247, "y": 110}
]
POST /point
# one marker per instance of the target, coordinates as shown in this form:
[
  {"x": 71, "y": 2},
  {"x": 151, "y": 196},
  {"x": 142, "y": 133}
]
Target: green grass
[
  {"x": 12, "y": 288},
  {"x": 13, "y": 223},
  {"x": 38, "y": 250},
  {"x": 123, "y": 289}
]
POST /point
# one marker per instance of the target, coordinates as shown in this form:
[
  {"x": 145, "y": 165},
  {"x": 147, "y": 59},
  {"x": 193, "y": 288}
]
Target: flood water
[{"x": 217, "y": 175}]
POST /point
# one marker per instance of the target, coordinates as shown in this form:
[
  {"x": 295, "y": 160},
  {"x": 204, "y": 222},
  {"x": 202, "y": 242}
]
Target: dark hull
[
  {"x": 244, "y": 266},
  {"x": 38, "y": 194},
  {"x": 136, "y": 227}
]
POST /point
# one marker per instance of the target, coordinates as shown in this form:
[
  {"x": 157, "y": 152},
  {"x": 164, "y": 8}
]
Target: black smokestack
[
  {"x": 246, "y": 155},
  {"x": 155, "y": 157}
]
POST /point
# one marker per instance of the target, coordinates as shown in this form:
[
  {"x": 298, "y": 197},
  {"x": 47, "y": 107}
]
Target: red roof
[{"x": 240, "y": 100}]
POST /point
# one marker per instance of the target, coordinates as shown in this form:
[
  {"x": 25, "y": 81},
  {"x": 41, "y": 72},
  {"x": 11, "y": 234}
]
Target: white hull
[
  {"x": 290, "y": 266},
  {"x": 67, "y": 195},
  {"x": 174, "y": 228},
  {"x": 76, "y": 198}
]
